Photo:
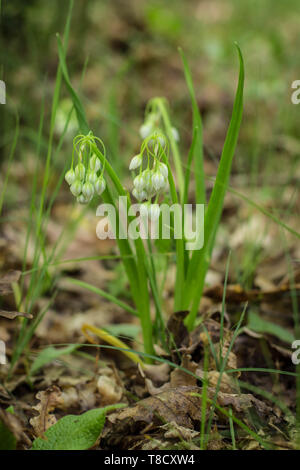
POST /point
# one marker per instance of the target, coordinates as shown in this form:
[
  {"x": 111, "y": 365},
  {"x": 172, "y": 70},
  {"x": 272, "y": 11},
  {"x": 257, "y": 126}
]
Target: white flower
[
  {"x": 100, "y": 185},
  {"x": 76, "y": 188},
  {"x": 95, "y": 163},
  {"x": 175, "y": 134},
  {"x": 88, "y": 190},
  {"x": 70, "y": 177},
  {"x": 135, "y": 162},
  {"x": 139, "y": 195},
  {"x": 154, "y": 211},
  {"x": 82, "y": 199},
  {"x": 139, "y": 182},
  {"x": 80, "y": 171},
  {"x": 92, "y": 177},
  {"x": 164, "y": 170},
  {"x": 158, "y": 181},
  {"x": 146, "y": 129}
]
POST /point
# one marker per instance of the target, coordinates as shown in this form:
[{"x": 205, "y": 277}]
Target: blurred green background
[{"x": 123, "y": 52}]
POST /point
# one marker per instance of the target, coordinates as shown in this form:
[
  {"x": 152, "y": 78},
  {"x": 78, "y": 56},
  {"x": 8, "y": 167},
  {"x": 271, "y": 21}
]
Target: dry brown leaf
[
  {"x": 174, "y": 431},
  {"x": 179, "y": 377},
  {"x": 12, "y": 315},
  {"x": 240, "y": 404},
  {"x": 175, "y": 404},
  {"x": 109, "y": 386},
  {"x": 226, "y": 385},
  {"x": 49, "y": 400}
]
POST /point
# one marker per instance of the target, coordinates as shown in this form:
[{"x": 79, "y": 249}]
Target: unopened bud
[
  {"x": 135, "y": 162},
  {"x": 70, "y": 177},
  {"x": 88, "y": 190},
  {"x": 95, "y": 163},
  {"x": 83, "y": 199},
  {"x": 76, "y": 188},
  {"x": 92, "y": 177},
  {"x": 158, "y": 181},
  {"x": 80, "y": 171},
  {"x": 100, "y": 185}
]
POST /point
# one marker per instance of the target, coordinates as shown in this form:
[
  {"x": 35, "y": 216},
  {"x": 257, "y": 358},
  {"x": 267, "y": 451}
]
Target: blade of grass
[
  {"x": 197, "y": 122},
  {"x": 103, "y": 294}
]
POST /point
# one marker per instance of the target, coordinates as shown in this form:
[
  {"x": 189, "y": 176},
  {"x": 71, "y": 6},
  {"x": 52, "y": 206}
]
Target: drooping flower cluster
[
  {"x": 153, "y": 120},
  {"x": 87, "y": 178},
  {"x": 154, "y": 178}
]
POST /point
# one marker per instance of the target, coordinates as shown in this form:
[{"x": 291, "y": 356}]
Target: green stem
[{"x": 174, "y": 146}]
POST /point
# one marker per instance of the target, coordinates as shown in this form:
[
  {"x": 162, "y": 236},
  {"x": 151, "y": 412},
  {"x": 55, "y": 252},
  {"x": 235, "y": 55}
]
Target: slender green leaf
[
  {"x": 258, "y": 324},
  {"x": 104, "y": 294},
  {"x": 197, "y": 122},
  {"x": 81, "y": 117},
  {"x": 48, "y": 355},
  {"x": 200, "y": 259}
]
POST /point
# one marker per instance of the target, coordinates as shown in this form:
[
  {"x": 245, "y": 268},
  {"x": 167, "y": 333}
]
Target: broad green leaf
[
  {"x": 49, "y": 355},
  {"x": 75, "y": 432},
  {"x": 258, "y": 324}
]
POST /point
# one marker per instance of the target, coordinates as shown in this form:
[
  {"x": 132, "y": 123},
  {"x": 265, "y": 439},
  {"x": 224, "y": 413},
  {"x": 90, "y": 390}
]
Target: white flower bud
[
  {"x": 70, "y": 177},
  {"x": 80, "y": 171},
  {"x": 139, "y": 195},
  {"x": 76, "y": 188},
  {"x": 146, "y": 129},
  {"x": 139, "y": 182},
  {"x": 158, "y": 181},
  {"x": 175, "y": 134},
  {"x": 92, "y": 177},
  {"x": 88, "y": 190},
  {"x": 100, "y": 185},
  {"x": 154, "y": 211},
  {"x": 135, "y": 162},
  {"x": 83, "y": 200},
  {"x": 163, "y": 170},
  {"x": 95, "y": 163}
]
